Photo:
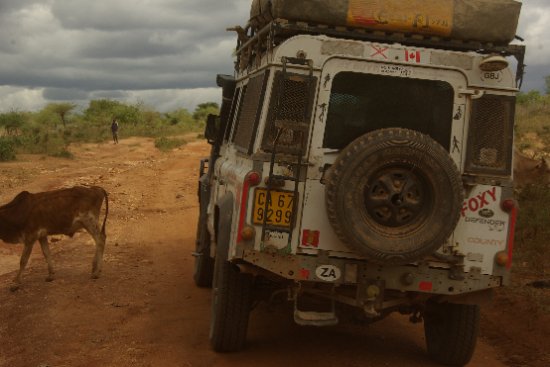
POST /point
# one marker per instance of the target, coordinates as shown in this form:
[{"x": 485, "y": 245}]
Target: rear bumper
[{"x": 405, "y": 278}]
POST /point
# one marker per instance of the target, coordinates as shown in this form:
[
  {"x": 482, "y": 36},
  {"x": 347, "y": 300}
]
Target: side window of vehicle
[
  {"x": 231, "y": 118},
  {"x": 249, "y": 113}
]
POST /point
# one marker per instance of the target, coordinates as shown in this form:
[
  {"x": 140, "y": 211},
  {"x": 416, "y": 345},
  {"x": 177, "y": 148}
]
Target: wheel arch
[{"x": 223, "y": 221}]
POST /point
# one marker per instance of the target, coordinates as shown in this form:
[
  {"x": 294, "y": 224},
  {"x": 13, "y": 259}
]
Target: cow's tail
[{"x": 106, "y": 211}]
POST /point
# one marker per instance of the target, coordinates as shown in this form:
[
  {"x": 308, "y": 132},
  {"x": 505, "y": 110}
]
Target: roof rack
[{"x": 253, "y": 43}]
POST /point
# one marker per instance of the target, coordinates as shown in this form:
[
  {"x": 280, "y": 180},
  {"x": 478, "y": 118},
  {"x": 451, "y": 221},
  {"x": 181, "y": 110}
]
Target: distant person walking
[{"x": 114, "y": 130}]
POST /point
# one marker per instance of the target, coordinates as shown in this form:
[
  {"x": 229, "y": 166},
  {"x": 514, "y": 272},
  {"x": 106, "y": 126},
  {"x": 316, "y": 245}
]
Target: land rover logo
[{"x": 486, "y": 213}]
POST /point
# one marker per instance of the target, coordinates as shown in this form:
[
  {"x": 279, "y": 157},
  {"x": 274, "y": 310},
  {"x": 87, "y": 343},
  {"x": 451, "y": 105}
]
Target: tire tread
[
  {"x": 231, "y": 313},
  {"x": 457, "y": 335}
]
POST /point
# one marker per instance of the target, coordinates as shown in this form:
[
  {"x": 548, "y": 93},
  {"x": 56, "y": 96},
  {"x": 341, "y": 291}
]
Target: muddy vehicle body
[{"x": 355, "y": 176}]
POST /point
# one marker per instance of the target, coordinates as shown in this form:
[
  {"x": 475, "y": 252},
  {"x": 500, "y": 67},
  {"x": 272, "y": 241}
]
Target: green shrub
[
  {"x": 42, "y": 141},
  {"x": 7, "y": 149}
]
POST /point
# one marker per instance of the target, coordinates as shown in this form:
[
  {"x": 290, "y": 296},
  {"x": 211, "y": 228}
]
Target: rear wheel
[
  {"x": 231, "y": 303},
  {"x": 451, "y": 332}
]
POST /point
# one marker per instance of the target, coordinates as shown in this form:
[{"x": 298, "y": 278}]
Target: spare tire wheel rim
[{"x": 395, "y": 196}]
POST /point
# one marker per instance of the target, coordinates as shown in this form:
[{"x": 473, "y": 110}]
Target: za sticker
[{"x": 328, "y": 273}]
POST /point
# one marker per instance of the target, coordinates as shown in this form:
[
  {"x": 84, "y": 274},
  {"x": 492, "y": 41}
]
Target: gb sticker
[{"x": 328, "y": 273}]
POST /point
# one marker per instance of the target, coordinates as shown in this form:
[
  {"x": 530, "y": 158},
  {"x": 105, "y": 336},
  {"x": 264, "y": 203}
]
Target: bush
[
  {"x": 7, "y": 149},
  {"x": 533, "y": 231},
  {"x": 533, "y": 124},
  {"x": 39, "y": 140}
]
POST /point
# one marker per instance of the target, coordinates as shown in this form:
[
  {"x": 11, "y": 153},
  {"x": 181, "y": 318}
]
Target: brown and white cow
[{"x": 31, "y": 217}]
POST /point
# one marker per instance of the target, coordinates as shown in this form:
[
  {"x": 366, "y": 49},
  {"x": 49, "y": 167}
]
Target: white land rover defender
[{"x": 360, "y": 168}]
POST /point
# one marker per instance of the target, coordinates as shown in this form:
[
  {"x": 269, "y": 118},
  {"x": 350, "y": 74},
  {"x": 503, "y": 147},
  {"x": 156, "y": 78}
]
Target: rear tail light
[
  {"x": 502, "y": 258},
  {"x": 253, "y": 178}
]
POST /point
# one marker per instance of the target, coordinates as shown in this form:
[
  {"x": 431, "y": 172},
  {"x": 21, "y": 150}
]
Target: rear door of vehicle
[{"x": 358, "y": 96}]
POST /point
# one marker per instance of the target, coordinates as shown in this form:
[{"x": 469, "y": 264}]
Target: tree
[
  {"x": 104, "y": 110},
  {"x": 204, "y": 109},
  {"x": 61, "y": 109},
  {"x": 12, "y": 122},
  {"x": 181, "y": 115},
  {"x": 547, "y": 79}
]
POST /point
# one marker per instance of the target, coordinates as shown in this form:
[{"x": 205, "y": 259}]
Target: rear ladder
[{"x": 299, "y": 130}]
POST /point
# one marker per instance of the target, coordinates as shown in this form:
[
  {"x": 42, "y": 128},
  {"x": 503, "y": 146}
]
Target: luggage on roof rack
[{"x": 486, "y": 21}]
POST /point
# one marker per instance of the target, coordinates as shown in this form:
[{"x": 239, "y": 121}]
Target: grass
[
  {"x": 165, "y": 144},
  {"x": 533, "y": 229},
  {"x": 64, "y": 154},
  {"x": 532, "y": 241}
]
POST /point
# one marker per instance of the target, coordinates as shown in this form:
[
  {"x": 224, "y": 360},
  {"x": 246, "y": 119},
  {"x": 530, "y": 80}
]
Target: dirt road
[{"x": 145, "y": 309}]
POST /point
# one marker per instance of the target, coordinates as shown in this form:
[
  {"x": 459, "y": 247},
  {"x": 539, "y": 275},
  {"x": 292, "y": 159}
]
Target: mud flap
[{"x": 223, "y": 232}]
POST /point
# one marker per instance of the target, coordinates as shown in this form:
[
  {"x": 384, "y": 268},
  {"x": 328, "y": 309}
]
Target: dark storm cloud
[
  {"x": 534, "y": 77},
  {"x": 116, "y": 45},
  {"x": 8, "y": 6},
  {"x": 204, "y": 17},
  {"x": 105, "y": 81},
  {"x": 62, "y": 94},
  {"x": 122, "y": 45},
  {"x": 78, "y": 48},
  {"x": 109, "y": 94},
  {"x": 121, "y": 15}
]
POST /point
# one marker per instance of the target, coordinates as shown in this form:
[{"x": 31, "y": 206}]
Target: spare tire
[{"x": 394, "y": 195}]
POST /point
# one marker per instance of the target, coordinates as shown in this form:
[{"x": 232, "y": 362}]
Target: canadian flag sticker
[{"x": 412, "y": 56}]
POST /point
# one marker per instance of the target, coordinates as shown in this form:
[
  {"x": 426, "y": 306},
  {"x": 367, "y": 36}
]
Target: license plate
[{"x": 279, "y": 212}]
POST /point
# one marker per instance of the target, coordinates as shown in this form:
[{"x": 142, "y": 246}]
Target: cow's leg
[
  {"x": 93, "y": 229},
  {"x": 46, "y": 251},
  {"x": 22, "y": 264}
]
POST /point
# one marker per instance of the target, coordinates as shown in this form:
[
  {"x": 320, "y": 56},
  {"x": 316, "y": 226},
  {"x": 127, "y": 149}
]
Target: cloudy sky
[{"x": 165, "y": 53}]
